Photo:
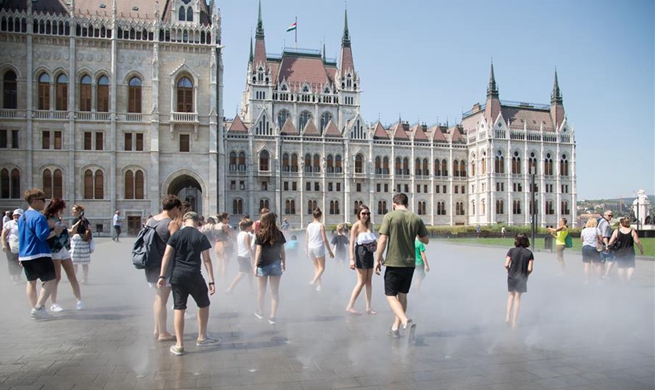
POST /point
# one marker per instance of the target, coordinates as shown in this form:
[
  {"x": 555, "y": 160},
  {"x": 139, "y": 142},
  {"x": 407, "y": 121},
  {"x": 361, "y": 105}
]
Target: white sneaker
[
  {"x": 80, "y": 305},
  {"x": 40, "y": 314},
  {"x": 319, "y": 288},
  {"x": 55, "y": 308}
]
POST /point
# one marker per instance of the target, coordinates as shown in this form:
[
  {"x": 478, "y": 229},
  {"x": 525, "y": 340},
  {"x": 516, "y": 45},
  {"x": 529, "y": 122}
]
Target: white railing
[
  {"x": 134, "y": 117},
  {"x": 8, "y": 113},
  {"x": 103, "y": 116},
  {"x": 84, "y": 116},
  {"x": 184, "y": 117}
]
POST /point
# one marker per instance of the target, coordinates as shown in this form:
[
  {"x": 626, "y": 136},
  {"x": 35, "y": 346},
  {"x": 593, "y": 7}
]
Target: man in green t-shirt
[{"x": 399, "y": 228}]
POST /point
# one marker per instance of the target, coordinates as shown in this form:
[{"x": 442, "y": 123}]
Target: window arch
[
  {"x": 516, "y": 207},
  {"x": 282, "y": 116},
  {"x": 422, "y": 208},
  {"x": 472, "y": 207},
  {"x": 134, "y": 184},
  {"x": 385, "y": 165},
  {"x": 334, "y": 207},
  {"x": 184, "y": 94},
  {"x": 242, "y": 162},
  {"x": 548, "y": 165},
  {"x": 532, "y": 164},
  {"x": 462, "y": 168},
  {"x": 378, "y": 165},
  {"x": 102, "y": 94},
  {"x": 483, "y": 207},
  {"x": 325, "y": 118},
  {"x": 9, "y": 183},
  {"x": 264, "y": 204},
  {"x": 417, "y": 167},
  {"x": 565, "y": 208},
  {"x": 382, "y": 207},
  {"x": 473, "y": 166},
  {"x": 483, "y": 163},
  {"x": 308, "y": 162},
  {"x": 564, "y": 166},
  {"x": 455, "y": 168},
  {"x": 294, "y": 162},
  {"x": 441, "y": 208},
  {"x": 437, "y": 167},
  {"x": 359, "y": 163},
  {"x": 233, "y": 161},
  {"x": 61, "y": 93},
  {"x": 264, "y": 165},
  {"x": 305, "y": 117},
  {"x": 499, "y": 162},
  {"x": 53, "y": 183},
  {"x": 330, "y": 163},
  {"x": 337, "y": 164},
  {"x": 550, "y": 210},
  {"x": 405, "y": 166},
  {"x": 311, "y": 206},
  {"x": 285, "y": 162},
  {"x": 44, "y": 92},
  {"x": 399, "y": 166},
  {"x": 94, "y": 184},
  {"x": 85, "y": 93},
  {"x": 9, "y": 90},
  {"x": 134, "y": 95},
  {"x": 237, "y": 206},
  {"x": 189, "y": 14},
  {"x": 357, "y": 204},
  {"x": 181, "y": 16},
  {"x": 444, "y": 167},
  {"x": 500, "y": 207},
  {"x": 290, "y": 207},
  {"x": 317, "y": 163},
  {"x": 516, "y": 164},
  {"x": 426, "y": 167}
]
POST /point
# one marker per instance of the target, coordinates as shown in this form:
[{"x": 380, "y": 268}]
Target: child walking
[
  {"x": 245, "y": 254},
  {"x": 422, "y": 265},
  {"x": 340, "y": 245},
  {"x": 270, "y": 260},
  {"x": 317, "y": 243},
  {"x": 518, "y": 264}
]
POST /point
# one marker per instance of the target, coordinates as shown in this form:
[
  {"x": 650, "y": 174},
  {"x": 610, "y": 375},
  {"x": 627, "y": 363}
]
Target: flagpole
[{"x": 296, "y": 33}]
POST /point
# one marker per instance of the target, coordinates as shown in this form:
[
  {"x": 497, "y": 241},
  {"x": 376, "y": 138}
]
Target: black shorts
[
  {"x": 590, "y": 254},
  {"x": 517, "y": 284},
  {"x": 194, "y": 286},
  {"x": 363, "y": 258},
  {"x": 42, "y": 268},
  {"x": 245, "y": 265},
  {"x": 397, "y": 280},
  {"x": 625, "y": 262}
]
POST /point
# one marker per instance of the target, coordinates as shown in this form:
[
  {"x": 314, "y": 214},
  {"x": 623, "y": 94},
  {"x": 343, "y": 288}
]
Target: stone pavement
[{"x": 572, "y": 335}]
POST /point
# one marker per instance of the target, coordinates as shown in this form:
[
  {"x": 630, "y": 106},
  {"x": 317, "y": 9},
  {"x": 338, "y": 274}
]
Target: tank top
[
  {"x": 624, "y": 246},
  {"x": 242, "y": 248},
  {"x": 365, "y": 238},
  {"x": 221, "y": 234},
  {"x": 314, "y": 237}
]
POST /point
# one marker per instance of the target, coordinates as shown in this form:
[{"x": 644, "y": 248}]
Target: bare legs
[
  {"x": 275, "y": 296},
  {"x": 513, "y": 303},
  {"x": 560, "y": 257},
  {"x": 625, "y": 274},
  {"x": 398, "y": 305},
  {"x": 261, "y": 294},
  {"x": 364, "y": 277},
  {"x": 319, "y": 268},
  {"x": 85, "y": 273},
  {"x": 159, "y": 310},
  {"x": 221, "y": 259},
  {"x": 237, "y": 279},
  {"x": 178, "y": 324},
  {"x": 46, "y": 290},
  {"x": 67, "y": 265}
]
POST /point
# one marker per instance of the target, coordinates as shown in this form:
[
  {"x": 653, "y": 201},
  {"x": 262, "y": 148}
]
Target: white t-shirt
[
  {"x": 11, "y": 227},
  {"x": 590, "y": 236},
  {"x": 314, "y": 236},
  {"x": 242, "y": 249}
]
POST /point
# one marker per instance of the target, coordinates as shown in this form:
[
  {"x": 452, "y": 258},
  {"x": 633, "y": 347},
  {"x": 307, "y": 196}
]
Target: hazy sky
[{"x": 429, "y": 61}]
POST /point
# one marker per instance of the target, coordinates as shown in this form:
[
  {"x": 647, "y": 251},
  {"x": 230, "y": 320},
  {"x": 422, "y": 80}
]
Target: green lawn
[{"x": 648, "y": 243}]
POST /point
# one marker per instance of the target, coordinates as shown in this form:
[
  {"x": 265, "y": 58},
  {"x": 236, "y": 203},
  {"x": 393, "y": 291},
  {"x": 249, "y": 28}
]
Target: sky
[{"x": 429, "y": 61}]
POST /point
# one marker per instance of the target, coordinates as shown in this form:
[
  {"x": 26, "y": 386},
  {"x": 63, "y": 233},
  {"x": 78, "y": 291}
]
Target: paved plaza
[{"x": 572, "y": 335}]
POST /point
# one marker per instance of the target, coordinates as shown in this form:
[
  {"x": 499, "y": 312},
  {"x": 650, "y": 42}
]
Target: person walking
[
  {"x": 560, "y": 234},
  {"x": 422, "y": 265},
  {"x": 60, "y": 247},
  {"x": 397, "y": 233},
  {"x": 592, "y": 240},
  {"x": 623, "y": 241},
  {"x": 117, "y": 222},
  {"x": 165, "y": 224},
  {"x": 270, "y": 263},
  {"x": 183, "y": 252},
  {"x": 245, "y": 254},
  {"x": 607, "y": 255},
  {"x": 10, "y": 245},
  {"x": 223, "y": 236},
  {"x": 518, "y": 263},
  {"x": 316, "y": 245},
  {"x": 80, "y": 248},
  {"x": 340, "y": 245},
  {"x": 363, "y": 244},
  {"x": 34, "y": 253}
]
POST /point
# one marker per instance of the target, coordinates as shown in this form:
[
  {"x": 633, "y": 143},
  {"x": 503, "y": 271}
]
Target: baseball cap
[{"x": 18, "y": 211}]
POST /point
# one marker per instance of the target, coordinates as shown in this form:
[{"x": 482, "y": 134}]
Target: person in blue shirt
[{"x": 34, "y": 253}]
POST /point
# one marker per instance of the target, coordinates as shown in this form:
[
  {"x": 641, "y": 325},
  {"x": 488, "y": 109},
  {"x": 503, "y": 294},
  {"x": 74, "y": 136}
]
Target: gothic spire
[
  {"x": 252, "y": 56},
  {"x": 260, "y": 24},
  {"x": 345, "y": 40},
  {"x": 556, "y": 95},
  {"x": 492, "y": 89}
]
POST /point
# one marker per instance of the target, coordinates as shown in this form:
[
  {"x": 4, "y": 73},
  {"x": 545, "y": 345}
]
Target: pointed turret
[
  {"x": 260, "y": 46},
  {"x": 346, "y": 63},
  {"x": 260, "y": 24},
  {"x": 492, "y": 108},
  {"x": 345, "y": 39},
  {"x": 251, "y": 52},
  {"x": 557, "y": 104}
]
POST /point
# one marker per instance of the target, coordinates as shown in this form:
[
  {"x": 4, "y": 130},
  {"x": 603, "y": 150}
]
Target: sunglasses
[{"x": 366, "y": 213}]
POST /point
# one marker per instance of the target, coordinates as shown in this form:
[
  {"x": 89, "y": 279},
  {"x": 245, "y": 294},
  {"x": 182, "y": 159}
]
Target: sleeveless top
[
  {"x": 221, "y": 234},
  {"x": 242, "y": 249},
  {"x": 624, "y": 244},
  {"x": 365, "y": 238},
  {"x": 561, "y": 236},
  {"x": 314, "y": 236}
]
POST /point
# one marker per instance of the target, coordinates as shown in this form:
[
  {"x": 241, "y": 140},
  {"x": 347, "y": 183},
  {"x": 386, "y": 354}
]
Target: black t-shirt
[
  {"x": 518, "y": 265},
  {"x": 270, "y": 253},
  {"x": 340, "y": 242},
  {"x": 189, "y": 244}
]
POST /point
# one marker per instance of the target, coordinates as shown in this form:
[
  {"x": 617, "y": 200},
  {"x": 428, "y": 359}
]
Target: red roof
[
  {"x": 379, "y": 132},
  {"x": 399, "y": 132},
  {"x": 331, "y": 130},
  {"x": 437, "y": 134},
  {"x": 347, "y": 63},
  {"x": 237, "y": 126},
  {"x": 419, "y": 134},
  {"x": 288, "y": 128},
  {"x": 297, "y": 69},
  {"x": 310, "y": 128},
  {"x": 456, "y": 134}
]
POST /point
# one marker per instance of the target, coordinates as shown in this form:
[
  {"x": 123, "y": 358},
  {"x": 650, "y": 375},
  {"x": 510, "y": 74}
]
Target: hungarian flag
[{"x": 292, "y": 27}]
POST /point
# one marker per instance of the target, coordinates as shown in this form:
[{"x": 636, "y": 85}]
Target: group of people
[{"x": 38, "y": 242}]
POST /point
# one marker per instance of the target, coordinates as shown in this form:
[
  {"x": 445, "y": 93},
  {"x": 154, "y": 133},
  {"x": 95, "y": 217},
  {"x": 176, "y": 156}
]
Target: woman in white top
[
  {"x": 363, "y": 244},
  {"x": 591, "y": 241},
  {"x": 245, "y": 254},
  {"x": 10, "y": 245},
  {"x": 317, "y": 244}
]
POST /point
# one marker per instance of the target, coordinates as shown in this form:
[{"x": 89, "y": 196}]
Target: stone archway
[{"x": 187, "y": 189}]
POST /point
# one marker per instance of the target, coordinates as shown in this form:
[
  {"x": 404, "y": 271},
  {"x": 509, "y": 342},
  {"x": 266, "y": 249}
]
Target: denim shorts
[{"x": 274, "y": 269}]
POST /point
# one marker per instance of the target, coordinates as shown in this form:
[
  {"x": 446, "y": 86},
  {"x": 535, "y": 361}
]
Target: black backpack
[{"x": 147, "y": 251}]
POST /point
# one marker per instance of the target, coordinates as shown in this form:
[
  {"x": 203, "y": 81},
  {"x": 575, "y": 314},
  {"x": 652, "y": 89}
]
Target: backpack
[
  {"x": 147, "y": 251},
  {"x": 568, "y": 241}
]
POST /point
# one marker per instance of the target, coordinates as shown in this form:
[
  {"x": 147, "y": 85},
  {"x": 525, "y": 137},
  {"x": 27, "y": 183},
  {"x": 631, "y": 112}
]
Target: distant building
[{"x": 300, "y": 142}]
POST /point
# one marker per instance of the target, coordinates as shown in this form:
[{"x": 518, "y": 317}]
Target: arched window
[
  {"x": 483, "y": 207},
  {"x": 181, "y": 16},
  {"x": 184, "y": 95},
  {"x": 426, "y": 167},
  {"x": 85, "y": 93},
  {"x": 455, "y": 168},
  {"x": 305, "y": 117},
  {"x": 472, "y": 164},
  {"x": 285, "y": 162},
  {"x": 325, "y": 118},
  {"x": 282, "y": 116},
  {"x": 500, "y": 207},
  {"x": 437, "y": 167},
  {"x": 61, "y": 93},
  {"x": 385, "y": 165},
  {"x": 550, "y": 210},
  {"x": 9, "y": 90},
  {"x": 294, "y": 162},
  {"x": 382, "y": 207},
  {"x": 462, "y": 169},
  {"x": 337, "y": 164},
  {"x": 242, "y": 162},
  {"x": 378, "y": 165},
  {"x": 357, "y": 204},
  {"x": 264, "y": 157},
  {"x": 290, "y": 207},
  {"x": 444, "y": 167},
  {"x": 311, "y": 206},
  {"x": 399, "y": 166},
  {"x": 308, "y": 162},
  {"x": 317, "y": 163},
  {"x": 330, "y": 163},
  {"x": 472, "y": 207},
  {"x": 10, "y": 184},
  {"x": 532, "y": 164},
  {"x": 233, "y": 161},
  {"x": 332, "y": 207},
  {"x": 102, "y": 94},
  {"x": 189, "y": 14},
  {"x": 483, "y": 164},
  {"x": 516, "y": 164},
  {"x": 516, "y": 207},
  {"x": 53, "y": 183},
  {"x": 44, "y": 92},
  {"x": 134, "y": 184},
  {"x": 134, "y": 95},
  {"x": 441, "y": 208},
  {"x": 499, "y": 162},
  {"x": 405, "y": 166},
  {"x": 417, "y": 167},
  {"x": 565, "y": 208},
  {"x": 548, "y": 165},
  {"x": 237, "y": 206},
  {"x": 564, "y": 166},
  {"x": 94, "y": 185},
  {"x": 359, "y": 163}
]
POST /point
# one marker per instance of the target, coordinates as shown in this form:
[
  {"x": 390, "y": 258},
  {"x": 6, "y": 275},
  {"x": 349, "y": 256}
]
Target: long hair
[
  {"x": 268, "y": 234},
  {"x": 359, "y": 213},
  {"x": 54, "y": 207}
]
